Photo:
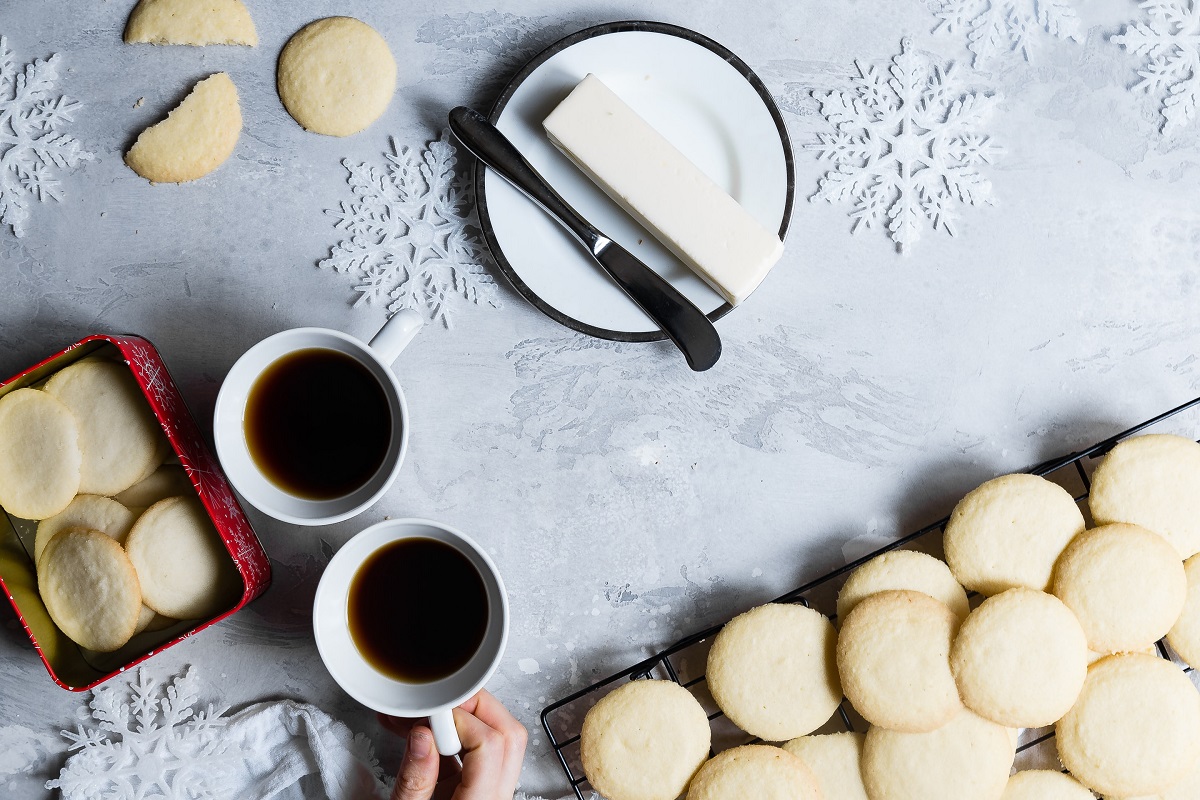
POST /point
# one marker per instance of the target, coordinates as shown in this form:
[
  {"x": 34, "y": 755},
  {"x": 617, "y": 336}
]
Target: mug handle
[
  {"x": 395, "y": 334},
  {"x": 445, "y": 735}
]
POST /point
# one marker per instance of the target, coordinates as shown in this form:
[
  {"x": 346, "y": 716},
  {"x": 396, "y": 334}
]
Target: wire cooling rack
[{"x": 684, "y": 662}]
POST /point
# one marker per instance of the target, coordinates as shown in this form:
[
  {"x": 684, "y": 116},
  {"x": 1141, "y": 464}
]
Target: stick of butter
[{"x": 664, "y": 191}]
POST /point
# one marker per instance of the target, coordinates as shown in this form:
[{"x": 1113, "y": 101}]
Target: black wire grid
[{"x": 684, "y": 661}]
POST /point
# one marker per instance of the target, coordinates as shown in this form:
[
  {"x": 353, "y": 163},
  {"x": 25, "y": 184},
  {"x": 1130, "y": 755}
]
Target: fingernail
[{"x": 420, "y": 742}]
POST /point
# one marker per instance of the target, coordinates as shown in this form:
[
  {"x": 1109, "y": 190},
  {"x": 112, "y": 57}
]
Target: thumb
[{"x": 419, "y": 771}]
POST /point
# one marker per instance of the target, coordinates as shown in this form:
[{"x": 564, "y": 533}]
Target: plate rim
[{"x": 510, "y": 88}]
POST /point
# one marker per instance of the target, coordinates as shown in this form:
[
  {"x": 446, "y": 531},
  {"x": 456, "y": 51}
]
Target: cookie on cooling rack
[
  {"x": 893, "y": 656},
  {"x": 773, "y": 671},
  {"x": 1152, "y": 481},
  {"x": 1184, "y": 636},
  {"x": 1135, "y": 729},
  {"x": 903, "y": 569},
  {"x": 968, "y": 757},
  {"x": 1124, "y": 583},
  {"x": 644, "y": 741},
  {"x": 755, "y": 770},
  {"x": 1045, "y": 784},
  {"x": 836, "y": 761},
  {"x": 1009, "y": 532},
  {"x": 1020, "y": 659}
]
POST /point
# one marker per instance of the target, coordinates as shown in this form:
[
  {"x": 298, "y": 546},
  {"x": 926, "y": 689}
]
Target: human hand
[{"x": 493, "y": 749}]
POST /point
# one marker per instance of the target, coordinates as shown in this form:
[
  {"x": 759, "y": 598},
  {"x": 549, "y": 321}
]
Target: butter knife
[{"x": 679, "y": 318}]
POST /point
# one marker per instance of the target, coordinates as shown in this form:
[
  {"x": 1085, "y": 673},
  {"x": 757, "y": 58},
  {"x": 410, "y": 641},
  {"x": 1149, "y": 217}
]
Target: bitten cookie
[
  {"x": 90, "y": 589},
  {"x": 1152, "y": 481},
  {"x": 893, "y": 656},
  {"x": 1044, "y": 784},
  {"x": 1020, "y": 659},
  {"x": 1184, "y": 636},
  {"x": 1009, "y": 532},
  {"x": 968, "y": 757},
  {"x": 754, "y": 771},
  {"x": 195, "y": 138},
  {"x": 903, "y": 569},
  {"x": 336, "y": 76},
  {"x": 773, "y": 671},
  {"x": 191, "y": 22},
  {"x": 89, "y": 511},
  {"x": 1125, "y": 584},
  {"x": 40, "y": 459},
  {"x": 644, "y": 741},
  {"x": 1134, "y": 730},
  {"x": 836, "y": 761}
]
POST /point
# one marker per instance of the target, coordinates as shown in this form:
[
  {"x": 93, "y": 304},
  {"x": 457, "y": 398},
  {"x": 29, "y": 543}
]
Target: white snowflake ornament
[
  {"x": 997, "y": 27},
  {"x": 1170, "y": 43},
  {"x": 414, "y": 236},
  {"x": 32, "y": 144},
  {"x": 907, "y": 146}
]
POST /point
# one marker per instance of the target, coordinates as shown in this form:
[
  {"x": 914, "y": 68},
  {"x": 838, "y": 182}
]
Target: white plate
[{"x": 698, "y": 95}]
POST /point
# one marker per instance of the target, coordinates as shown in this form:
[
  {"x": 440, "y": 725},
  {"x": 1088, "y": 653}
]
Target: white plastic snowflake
[
  {"x": 906, "y": 146},
  {"x": 155, "y": 745},
  {"x": 32, "y": 144},
  {"x": 414, "y": 237},
  {"x": 994, "y": 27},
  {"x": 1170, "y": 42}
]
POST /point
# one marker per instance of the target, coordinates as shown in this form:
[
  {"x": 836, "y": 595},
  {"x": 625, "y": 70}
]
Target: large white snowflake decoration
[
  {"x": 995, "y": 27},
  {"x": 149, "y": 742},
  {"x": 414, "y": 236},
  {"x": 32, "y": 144},
  {"x": 906, "y": 147},
  {"x": 1170, "y": 43}
]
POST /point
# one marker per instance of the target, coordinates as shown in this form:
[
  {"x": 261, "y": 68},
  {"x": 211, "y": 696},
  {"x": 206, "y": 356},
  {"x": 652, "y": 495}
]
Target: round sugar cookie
[
  {"x": 903, "y": 569},
  {"x": 1152, "y": 481},
  {"x": 118, "y": 433},
  {"x": 644, "y": 741},
  {"x": 1009, "y": 532},
  {"x": 1184, "y": 636},
  {"x": 1186, "y": 789},
  {"x": 754, "y": 770},
  {"x": 1045, "y": 784},
  {"x": 40, "y": 459},
  {"x": 1125, "y": 584},
  {"x": 1135, "y": 728},
  {"x": 967, "y": 757},
  {"x": 836, "y": 761},
  {"x": 336, "y": 76},
  {"x": 169, "y": 480},
  {"x": 773, "y": 671},
  {"x": 90, "y": 589},
  {"x": 180, "y": 560},
  {"x": 893, "y": 655},
  {"x": 89, "y": 511},
  {"x": 1020, "y": 659}
]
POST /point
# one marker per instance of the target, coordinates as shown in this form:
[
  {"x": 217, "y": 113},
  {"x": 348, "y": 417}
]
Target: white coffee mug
[
  {"x": 435, "y": 699},
  {"x": 229, "y": 428}
]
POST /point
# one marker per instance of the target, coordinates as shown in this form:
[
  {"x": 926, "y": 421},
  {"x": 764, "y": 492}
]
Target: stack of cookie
[{"x": 1062, "y": 634}]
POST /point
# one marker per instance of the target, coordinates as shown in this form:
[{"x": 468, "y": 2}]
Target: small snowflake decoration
[
  {"x": 1170, "y": 43},
  {"x": 996, "y": 27},
  {"x": 155, "y": 745},
  {"x": 906, "y": 147},
  {"x": 414, "y": 237},
  {"x": 32, "y": 144}
]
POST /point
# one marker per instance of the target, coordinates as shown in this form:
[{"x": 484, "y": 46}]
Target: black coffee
[
  {"x": 418, "y": 610},
  {"x": 318, "y": 424}
]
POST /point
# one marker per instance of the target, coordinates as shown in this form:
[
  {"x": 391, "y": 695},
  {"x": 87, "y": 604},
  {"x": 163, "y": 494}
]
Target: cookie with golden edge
[
  {"x": 90, "y": 589},
  {"x": 773, "y": 671},
  {"x": 1125, "y": 584},
  {"x": 1152, "y": 481},
  {"x": 40, "y": 458},
  {"x": 1184, "y": 636},
  {"x": 91, "y": 511},
  {"x": 193, "y": 22},
  {"x": 1135, "y": 729},
  {"x": 893, "y": 656},
  {"x": 755, "y": 771},
  {"x": 1045, "y": 784},
  {"x": 903, "y": 569},
  {"x": 836, "y": 761},
  {"x": 644, "y": 741},
  {"x": 1010, "y": 532},
  {"x": 336, "y": 76},
  {"x": 198, "y": 136}
]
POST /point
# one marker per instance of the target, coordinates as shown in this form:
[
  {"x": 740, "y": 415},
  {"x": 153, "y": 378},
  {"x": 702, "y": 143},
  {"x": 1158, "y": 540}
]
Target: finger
[
  {"x": 485, "y": 773},
  {"x": 493, "y": 713},
  {"x": 419, "y": 770},
  {"x": 397, "y": 725}
]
